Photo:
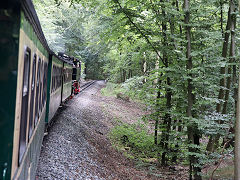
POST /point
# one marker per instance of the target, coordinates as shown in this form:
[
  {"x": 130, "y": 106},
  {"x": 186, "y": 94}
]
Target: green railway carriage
[
  {"x": 76, "y": 70},
  {"x": 23, "y": 82},
  {"x": 9, "y": 20},
  {"x": 60, "y": 83},
  {"x": 76, "y": 76},
  {"x": 71, "y": 75},
  {"x": 67, "y": 80},
  {"x": 55, "y": 87},
  {"x": 33, "y": 83}
]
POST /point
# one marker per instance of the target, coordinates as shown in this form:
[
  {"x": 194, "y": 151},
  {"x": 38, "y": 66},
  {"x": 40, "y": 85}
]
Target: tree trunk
[
  {"x": 180, "y": 27},
  {"x": 121, "y": 75},
  {"x": 224, "y": 55},
  {"x": 193, "y": 136},
  {"x": 129, "y": 70},
  {"x": 158, "y": 82},
  {"x": 237, "y": 141},
  {"x": 213, "y": 139},
  {"x": 167, "y": 124},
  {"x": 124, "y": 75},
  {"x": 229, "y": 80},
  {"x": 221, "y": 18},
  {"x": 235, "y": 90},
  {"x": 237, "y": 136},
  {"x": 157, "y": 118},
  {"x": 167, "y": 118},
  {"x": 231, "y": 59}
]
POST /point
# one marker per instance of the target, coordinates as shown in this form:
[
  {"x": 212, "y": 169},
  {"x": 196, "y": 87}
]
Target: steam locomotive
[{"x": 34, "y": 81}]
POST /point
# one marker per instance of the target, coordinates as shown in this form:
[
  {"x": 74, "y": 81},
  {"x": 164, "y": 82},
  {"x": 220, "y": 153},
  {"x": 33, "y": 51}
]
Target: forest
[{"x": 178, "y": 58}]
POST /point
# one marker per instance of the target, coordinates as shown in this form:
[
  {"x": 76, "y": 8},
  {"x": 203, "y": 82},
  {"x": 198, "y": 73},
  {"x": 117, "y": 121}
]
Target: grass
[
  {"x": 133, "y": 139},
  {"x": 111, "y": 89}
]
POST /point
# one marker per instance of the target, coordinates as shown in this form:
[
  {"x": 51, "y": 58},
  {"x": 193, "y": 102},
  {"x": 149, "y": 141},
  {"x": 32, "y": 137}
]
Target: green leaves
[
  {"x": 142, "y": 45},
  {"x": 135, "y": 137}
]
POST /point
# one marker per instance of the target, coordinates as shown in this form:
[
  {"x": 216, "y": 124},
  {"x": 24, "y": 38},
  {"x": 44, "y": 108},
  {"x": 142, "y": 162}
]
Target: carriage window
[
  {"x": 51, "y": 82},
  {"x": 59, "y": 77},
  {"x": 64, "y": 75},
  {"x": 44, "y": 83},
  {"x": 56, "y": 78},
  {"x": 74, "y": 74},
  {"x": 68, "y": 75},
  {"x": 41, "y": 89},
  {"x": 37, "y": 91},
  {"x": 32, "y": 97},
  {"x": 24, "y": 111},
  {"x": 43, "y": 77},
  {"x": 52, "y": 87}
]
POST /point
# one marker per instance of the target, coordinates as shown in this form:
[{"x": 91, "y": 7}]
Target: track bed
[{"x": 77, "y": 147}]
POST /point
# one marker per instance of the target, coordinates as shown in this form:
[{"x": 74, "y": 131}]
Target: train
[{"x": 34, "y": 81}]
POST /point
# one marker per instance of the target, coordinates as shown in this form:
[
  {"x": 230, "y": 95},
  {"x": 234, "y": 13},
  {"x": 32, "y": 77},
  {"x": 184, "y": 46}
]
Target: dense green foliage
[
  {"x": 136, "y": 138},
  {"x": 143, "y": 44}
]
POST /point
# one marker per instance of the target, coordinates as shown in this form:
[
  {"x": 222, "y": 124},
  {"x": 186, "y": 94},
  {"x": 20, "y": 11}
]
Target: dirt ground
[{"x": 77, "y": 144}]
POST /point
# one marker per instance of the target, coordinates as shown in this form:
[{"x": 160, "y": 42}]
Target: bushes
[
  {"x": 111, "y": 89},
  {"x": 134, "y": 137},
  {"x": 131, "y": 88}
]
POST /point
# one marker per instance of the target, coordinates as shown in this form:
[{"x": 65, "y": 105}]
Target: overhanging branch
[{"x": 139, "y": 30}]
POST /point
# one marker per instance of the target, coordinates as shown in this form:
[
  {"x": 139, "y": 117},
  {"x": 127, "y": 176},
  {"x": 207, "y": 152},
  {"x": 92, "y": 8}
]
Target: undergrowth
[
  {"x": 136, "y": 143},
  {"x": 131, "y": 88},
  {"x": 111, "y": 89},
  {"x": 134, "y": 139}
]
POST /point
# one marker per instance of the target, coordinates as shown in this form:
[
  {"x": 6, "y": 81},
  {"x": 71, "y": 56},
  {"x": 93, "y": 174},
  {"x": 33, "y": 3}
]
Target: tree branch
[
  {"x": 139, "y": 30},
  {"x": 220, "y": 161}
]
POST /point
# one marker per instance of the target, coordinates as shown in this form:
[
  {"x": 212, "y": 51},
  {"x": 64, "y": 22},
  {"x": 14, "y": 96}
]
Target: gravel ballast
[{"x": 76, "y": 145}]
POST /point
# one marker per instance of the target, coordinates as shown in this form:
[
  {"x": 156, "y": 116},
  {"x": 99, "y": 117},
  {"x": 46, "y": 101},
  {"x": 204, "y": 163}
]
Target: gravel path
[{"x": 77, "y": 147}]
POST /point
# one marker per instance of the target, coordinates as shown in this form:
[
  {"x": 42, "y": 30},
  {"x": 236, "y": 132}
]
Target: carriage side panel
[
  {"x": 30, "y": 102},
  {"x": 67, "y": 81},
  {"x": 55, "y": 86},
  {"x": 9, "y": 35}
]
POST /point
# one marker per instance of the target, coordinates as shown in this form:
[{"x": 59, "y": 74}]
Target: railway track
[
  {"x": 67, "y": 151},
  {"x": 65, "y": 105},
  {"x": 86, "y": 85}
]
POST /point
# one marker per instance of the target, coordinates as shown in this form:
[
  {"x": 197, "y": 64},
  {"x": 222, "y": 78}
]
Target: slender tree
[
  {"x": 193, "y": 136},
  {"x": 213, "y": 141},
  {"x": 237, "y": 136}
]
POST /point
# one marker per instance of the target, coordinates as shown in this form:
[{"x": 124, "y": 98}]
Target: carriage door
[{"x": 24, "y": 112}]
